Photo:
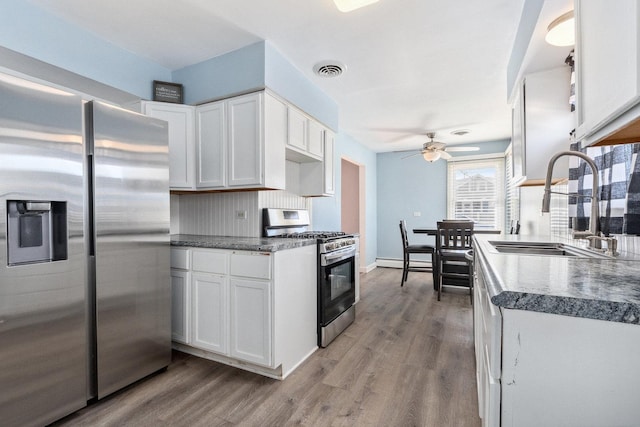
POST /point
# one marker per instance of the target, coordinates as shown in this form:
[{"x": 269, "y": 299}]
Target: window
[{"x": 475, "y": 192}]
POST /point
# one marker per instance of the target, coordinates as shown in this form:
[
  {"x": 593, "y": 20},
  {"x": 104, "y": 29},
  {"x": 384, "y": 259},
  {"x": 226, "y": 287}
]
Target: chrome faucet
[{"x": 593, "y": 235}]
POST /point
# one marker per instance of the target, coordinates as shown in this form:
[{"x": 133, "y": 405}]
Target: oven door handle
[{"x": 339, "y": 255}]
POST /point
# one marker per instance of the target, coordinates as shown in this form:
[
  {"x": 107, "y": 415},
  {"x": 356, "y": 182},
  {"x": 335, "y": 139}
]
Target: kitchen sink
[{"x": 543, "y": 248}]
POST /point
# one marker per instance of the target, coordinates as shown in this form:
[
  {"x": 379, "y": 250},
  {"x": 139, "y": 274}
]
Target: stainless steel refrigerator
[{"x": 84, "y": 251}]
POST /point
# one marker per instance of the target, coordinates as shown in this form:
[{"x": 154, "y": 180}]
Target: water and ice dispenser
[{"x": 36, "y": 231}]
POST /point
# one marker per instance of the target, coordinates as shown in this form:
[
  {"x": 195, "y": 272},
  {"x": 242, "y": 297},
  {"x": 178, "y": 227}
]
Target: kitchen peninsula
[
  {"x": 557, "y": 338},
  {"x": 244, "y": 301}
]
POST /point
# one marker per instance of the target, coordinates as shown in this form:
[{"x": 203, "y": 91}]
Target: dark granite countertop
[
  {"x": 261, "y": 244},
  {"x": 602, "y": 289}
]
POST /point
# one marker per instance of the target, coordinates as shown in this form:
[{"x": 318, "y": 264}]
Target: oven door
[{"x": 336, "y": 286}]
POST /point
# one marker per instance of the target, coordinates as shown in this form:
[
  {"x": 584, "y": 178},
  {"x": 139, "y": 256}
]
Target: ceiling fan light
[
  {"x": 349, "y": 5},
  {"x": 431, "y": 156},
  {"x": 561, "y": 32}
]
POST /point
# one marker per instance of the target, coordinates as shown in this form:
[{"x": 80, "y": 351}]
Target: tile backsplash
[{"x": 228, "y": 213}]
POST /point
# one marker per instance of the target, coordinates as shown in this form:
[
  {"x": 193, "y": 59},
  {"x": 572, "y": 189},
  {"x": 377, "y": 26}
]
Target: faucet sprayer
[{"x": 594, "y": 221}]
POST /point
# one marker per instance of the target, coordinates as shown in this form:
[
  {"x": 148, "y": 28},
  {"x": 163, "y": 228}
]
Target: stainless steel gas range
[{"x": 336, "y": 268}]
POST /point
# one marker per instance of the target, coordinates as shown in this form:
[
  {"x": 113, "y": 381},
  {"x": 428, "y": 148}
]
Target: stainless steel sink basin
[{"x": 543, "y": 248}]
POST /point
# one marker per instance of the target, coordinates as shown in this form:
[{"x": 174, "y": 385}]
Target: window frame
[{"x": 496, "y": 161}]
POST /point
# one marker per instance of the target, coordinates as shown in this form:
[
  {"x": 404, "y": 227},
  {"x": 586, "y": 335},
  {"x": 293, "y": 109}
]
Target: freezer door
[
  {"x": 131, "y": 248},
  {"x": 43, "y": 332}
]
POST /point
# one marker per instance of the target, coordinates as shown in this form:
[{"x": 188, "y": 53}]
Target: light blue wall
[
  {"x": 326, "y": 210},
  {"x": 288, "y": 82},
  {"x": 252, "y": 68},
  {"x": 242, "y": 70},
  {"x": 36, "y": 33},
  {"x": 406, "y": 186},
  {"x": 413, "y": 185}
]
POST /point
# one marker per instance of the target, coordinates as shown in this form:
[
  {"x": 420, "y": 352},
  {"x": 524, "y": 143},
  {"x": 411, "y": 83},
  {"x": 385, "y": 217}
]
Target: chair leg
[
  {"x": 434, "y": 271},
  {"x": 405, "y": 270},
  {"x": 439, "y": 281}
]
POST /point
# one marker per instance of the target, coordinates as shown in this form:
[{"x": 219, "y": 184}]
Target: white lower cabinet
[
  {"x": 180, "y": 295},
  {"x": 487, "y": 333},
  {"x": 253, "y": 310},
  {"x": 210, "y": 325},
  {"x": 541, "y": 369},
  {"x": 180, "y": 290},
  {"x": 251, "y": 320}
]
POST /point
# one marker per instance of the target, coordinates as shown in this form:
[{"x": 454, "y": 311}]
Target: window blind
[
  {"x": 512, "y": 193},
  {"x": 475, "y": 192}
]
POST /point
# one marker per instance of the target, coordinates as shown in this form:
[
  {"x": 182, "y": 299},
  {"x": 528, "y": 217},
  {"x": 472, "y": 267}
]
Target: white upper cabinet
[
  {"x": 607, "y": 67},
  {"x": 245, "y": 142},
  {"x": 181, "y": 140},
  {"x": 211, "y": 124},
  {"x": 297, "y": 124},
  {"x": 315, "y": 138},
  {"x": 305, "y": 138},
  {"x": 241, "y": 143},
  {"x": 318, "y": 178},
  {"x": 544, "y": 102},
  {"x": 329, "y": 162}
]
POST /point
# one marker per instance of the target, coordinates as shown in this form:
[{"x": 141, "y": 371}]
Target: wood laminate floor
[{"x": 407, "y": 360}]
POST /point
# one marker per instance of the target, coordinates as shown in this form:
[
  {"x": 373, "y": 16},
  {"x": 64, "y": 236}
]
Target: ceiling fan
[{"x": 434, "y": 150}]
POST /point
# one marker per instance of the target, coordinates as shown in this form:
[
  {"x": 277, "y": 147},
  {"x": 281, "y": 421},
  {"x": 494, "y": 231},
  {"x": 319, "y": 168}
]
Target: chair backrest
[
  {"x": 515, "y": 227},
  {"x": 403, "y": 233},
  {"x": 454, "y": 234}
]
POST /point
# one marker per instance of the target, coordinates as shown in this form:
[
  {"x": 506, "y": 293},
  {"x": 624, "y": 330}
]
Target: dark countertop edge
[
  {"x": 258, "y": 244},
  {"x": 609, "y": 311}
]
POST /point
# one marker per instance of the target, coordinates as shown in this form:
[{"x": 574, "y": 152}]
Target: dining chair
[
  {"x": 408, "y": 250},
  {"x": 453, "y": 242}
]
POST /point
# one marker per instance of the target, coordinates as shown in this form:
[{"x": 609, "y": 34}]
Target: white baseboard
[{"x": 368, "y": 268}]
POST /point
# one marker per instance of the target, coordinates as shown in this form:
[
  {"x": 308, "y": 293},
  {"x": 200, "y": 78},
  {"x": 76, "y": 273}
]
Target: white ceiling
[{"x": 412, "y": 65}]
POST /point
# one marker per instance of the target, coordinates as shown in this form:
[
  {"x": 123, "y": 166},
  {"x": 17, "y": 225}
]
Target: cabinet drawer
[
  {"x": 209, "y": 261},
  {"x": 492, "y": 334},
  {"x": 253, "y": 264},
  {"x": 180, "y": 258}
]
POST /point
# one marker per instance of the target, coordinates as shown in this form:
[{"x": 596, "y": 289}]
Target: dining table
[{"x": 434, "y": 232}]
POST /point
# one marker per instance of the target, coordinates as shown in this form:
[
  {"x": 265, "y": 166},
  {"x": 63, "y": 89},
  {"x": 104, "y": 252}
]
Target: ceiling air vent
[{"x": 329, "y": 68}]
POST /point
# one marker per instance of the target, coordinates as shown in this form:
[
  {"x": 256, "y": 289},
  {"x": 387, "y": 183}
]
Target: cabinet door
[
  {"x": 245, "y": 145},
  {"x": 209, "y": 315},
  {"x": 251, "y": 321},
  {"x": 315, "y": 140},
  {"x": 211, "y": 145},
  {"x": 180, "y": 306},
  {"x": 181, "y": 141},
  {"x": 329, "y": 164},
  {"x": 607, "y": 61},
  {"x": 297, "y": 122}
]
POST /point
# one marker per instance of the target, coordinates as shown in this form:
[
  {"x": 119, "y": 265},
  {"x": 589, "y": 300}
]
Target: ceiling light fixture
[
  {"x": 460, "y": 132},
  {"x": 561, "y": 32},
  {"x": 430, "y": 155},
  {"x": 349, "y": 5}
]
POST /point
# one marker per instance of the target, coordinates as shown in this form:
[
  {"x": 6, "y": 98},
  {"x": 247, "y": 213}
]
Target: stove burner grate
[{"x": 314, "y": 234}]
